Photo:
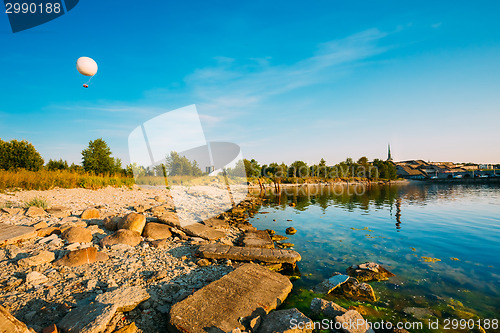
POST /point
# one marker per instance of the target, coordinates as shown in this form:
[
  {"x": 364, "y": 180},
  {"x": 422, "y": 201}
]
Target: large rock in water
[
  {"x": 258, "y": 238},
  {"x": 247, "y": 292},
  {"x": 326, "y": 308},
  {"x": 330, "y": 284},
  {"x": 286, "y": 321},
  {"x": 362, "y": 291},
  {"x": 221, "y": 251},
  {"x": 353, "y": 322},
  {"x": 9, "y": 323},
  {"x": 369, "y": 271},
  {"x": 133, "y": 221}
]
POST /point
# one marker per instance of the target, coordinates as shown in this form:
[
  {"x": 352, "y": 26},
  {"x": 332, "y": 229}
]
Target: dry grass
[
  {"x": 37, "y": 202},
  {"x": 45, "y": 180}
]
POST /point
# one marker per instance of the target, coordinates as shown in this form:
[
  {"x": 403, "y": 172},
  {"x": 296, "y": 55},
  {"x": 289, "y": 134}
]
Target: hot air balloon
[{"x": 88, "y": 67}]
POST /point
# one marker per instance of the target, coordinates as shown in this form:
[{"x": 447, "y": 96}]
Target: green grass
[{"x": 37, "y": 202}]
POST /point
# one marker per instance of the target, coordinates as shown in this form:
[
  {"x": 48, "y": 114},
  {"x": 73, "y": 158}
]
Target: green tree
[
  {"x": 181, "y": 166},
  {"x": 53, "y": 165},
  {"x": 298, "y": 169},
  {"x": 252, "y": 168},
  {"x": 19, "y": 155},
  {"x": 96, "y": 158}
]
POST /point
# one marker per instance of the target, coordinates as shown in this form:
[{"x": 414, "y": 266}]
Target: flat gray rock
[
  {"x": 247, "y": 292},
  {"x": 221, "y": 251},
  {"x": 258, "y": 238},
  {"x": 286, "y": 321},
  {"x": 11, "y": 234},
  {"x": 90, "y": 318},
  {"x": 330, "y": 284},
  {"x": 194, "y": 229},
  {"x": 125, "y": 298}
]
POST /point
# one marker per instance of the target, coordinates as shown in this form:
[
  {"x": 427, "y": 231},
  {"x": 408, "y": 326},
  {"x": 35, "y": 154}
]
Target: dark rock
[{"x": 369, "y": 271}]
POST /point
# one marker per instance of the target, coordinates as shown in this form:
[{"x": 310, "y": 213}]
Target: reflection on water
[{"x": 441, "y": 240}]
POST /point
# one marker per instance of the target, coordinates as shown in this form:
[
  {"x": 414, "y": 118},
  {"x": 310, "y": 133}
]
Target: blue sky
[{"x": 286, "y": 80}]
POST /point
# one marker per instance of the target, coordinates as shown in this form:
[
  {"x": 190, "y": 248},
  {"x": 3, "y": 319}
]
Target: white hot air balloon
[{"x": 88, "y": 67}]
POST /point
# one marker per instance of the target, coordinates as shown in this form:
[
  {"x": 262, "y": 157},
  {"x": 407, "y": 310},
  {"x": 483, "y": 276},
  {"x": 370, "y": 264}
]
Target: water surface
[{"x": 399, "y": 226}]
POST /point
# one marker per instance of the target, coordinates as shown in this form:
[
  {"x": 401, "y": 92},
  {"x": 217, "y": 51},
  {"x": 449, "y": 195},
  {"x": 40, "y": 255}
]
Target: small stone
[
  {"x": 35, "y": 278},
  {"x": 156, "y": 231},
  {"x": 122, "y": 236},
  {"x": 35, "y": 211},
  {"x": 130, "y": 328},
  {"x": 77, "y": 235},
  {"x": 160, "y": 243},
  {"x": 203, "y": 262},
  {"x": 90, "y": 213},
  {"x": 41, "y": 258},
  {"x": 139, "y": 208},
  {"x": 78, "y": 257},
  {"x": 111, "y": 222},
  {"x": 40, "y": 225},
  {"x": 290, "y": 230},
  {"x": 159, "y": 199},
  {"x": 44, "y": 232},
  {"x": 134, "y": 222}
]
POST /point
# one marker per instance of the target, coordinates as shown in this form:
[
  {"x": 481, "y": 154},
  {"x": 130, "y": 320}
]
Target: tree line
[{"x": 97, "y": 159}]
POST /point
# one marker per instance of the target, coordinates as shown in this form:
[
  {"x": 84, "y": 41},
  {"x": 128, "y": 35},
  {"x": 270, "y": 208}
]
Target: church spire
[{"x": 389, "y": 157}]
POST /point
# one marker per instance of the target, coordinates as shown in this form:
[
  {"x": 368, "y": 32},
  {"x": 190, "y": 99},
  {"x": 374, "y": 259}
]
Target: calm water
[{"x": 397, "y": 226}]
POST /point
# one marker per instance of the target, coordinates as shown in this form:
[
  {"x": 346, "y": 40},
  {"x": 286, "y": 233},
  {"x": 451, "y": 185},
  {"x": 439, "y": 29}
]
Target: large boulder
[
  {"x": 111, "y": 222},
  {"x": 156, "y": 231},
  {"x": 133, "y": 221},
  {"x": 248, "y": 292},
  {"x": 78, "y": 257},
  {"x": 369, "y": 271},
  {"x": 361, "y": 291},
  {"x": 90, "y": 213},
  {"x": 9, "y": 323},
  {"x": 122, "y": 236},
  {"x": 330, "y": 284},
  {"x": 77, "y": 235},
  {"x": 285, "y": 321}
]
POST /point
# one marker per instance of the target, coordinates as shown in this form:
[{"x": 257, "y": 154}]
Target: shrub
[
  {"x": 19, "y": 155},
  {"x": 37, "y": 202}
]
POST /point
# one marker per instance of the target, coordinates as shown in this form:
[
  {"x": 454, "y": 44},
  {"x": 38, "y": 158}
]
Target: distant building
[
  {"x": 209, "y": 169},
  {"x": 389, "y": 157}
]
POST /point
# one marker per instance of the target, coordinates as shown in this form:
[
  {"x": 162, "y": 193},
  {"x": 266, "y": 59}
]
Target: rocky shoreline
[{"x": 118, "y": 260}]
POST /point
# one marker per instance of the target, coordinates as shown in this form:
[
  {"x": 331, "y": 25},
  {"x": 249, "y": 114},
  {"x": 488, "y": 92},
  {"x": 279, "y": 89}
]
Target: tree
[
  {"x": 181, "y": 166},
  {"x": 53, "y": 165},
  {"x": 252, "y": 168},
  {"x": 19, "y": 155},
  {"x": 96, "y": 158},
  {"x": 298, "y": 169}
]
